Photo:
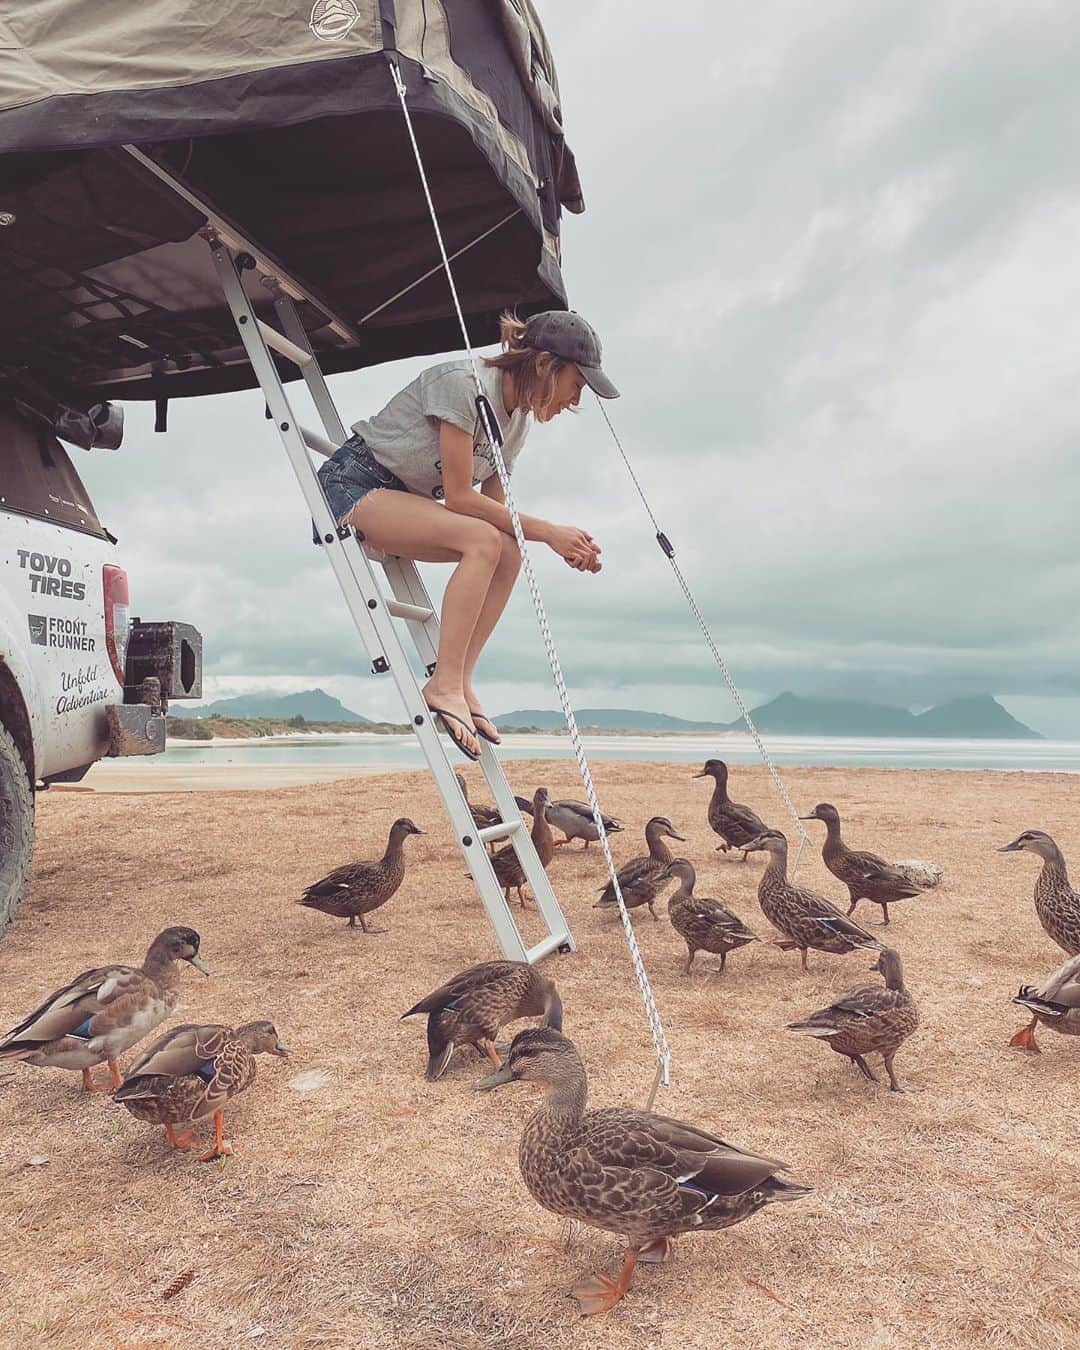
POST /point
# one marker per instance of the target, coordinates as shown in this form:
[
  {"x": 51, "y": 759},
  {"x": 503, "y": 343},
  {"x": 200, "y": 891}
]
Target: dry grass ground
[{"x": 379, "y": 1210}]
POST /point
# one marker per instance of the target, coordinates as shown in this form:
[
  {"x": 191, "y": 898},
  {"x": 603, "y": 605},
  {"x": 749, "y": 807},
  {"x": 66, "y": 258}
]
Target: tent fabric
[{"x": 282, "y": 117}]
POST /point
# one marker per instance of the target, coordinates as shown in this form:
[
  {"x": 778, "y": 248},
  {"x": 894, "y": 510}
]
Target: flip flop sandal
[
  {"x": 483, "y": 717},
  {"x": 441, "y": 715}
]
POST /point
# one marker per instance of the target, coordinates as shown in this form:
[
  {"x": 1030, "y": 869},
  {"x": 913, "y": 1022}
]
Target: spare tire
[{"x": 16, "y": 827}]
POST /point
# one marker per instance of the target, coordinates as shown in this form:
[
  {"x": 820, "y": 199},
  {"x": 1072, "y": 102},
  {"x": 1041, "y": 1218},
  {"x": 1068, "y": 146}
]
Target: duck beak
[
  {"x": 496, "y": 1079},
  {"x": 675, "y": 835},
  {"x": 702, "y": 774},
  {"x": 199, "y": 963},
  {"x": 1014, "y": 847},
  {"x": 811, "y": 816},
  {"x": 281, "y": 1049}
]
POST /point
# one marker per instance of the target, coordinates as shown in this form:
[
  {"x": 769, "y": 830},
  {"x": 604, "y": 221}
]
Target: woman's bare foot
[
  {"x": 489, "y": 731},
  {"x": 462, "y": 731}
]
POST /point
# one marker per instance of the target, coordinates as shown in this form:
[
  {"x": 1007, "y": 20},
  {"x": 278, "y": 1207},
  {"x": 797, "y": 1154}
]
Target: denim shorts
[{"x": 350, "y": 473}]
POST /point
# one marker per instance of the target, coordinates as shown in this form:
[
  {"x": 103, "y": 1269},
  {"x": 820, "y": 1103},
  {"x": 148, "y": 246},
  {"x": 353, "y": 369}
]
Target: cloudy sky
[{"x": 831, "y": 251}]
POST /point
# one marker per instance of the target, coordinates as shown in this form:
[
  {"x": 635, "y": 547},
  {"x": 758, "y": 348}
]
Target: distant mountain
[
  {"x": 979, "y": 717},
  {"x": 313, "y": 705}
]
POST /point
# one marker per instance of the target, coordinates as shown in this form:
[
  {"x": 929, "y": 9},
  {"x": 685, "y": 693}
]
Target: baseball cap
[{"x": 566, "y": 334}]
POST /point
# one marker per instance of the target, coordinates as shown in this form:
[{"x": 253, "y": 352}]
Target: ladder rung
[
  {"x": 280, "y": 343},
  {"x": 500, "y": 831},
  {"x": 314, "y": 441},
  {"x": 400, "y": 610},
  {"x": 546, "y": 946}
]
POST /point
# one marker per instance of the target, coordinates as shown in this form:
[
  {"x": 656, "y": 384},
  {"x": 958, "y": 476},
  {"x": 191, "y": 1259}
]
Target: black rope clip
[{"x": 665, "y": 543}]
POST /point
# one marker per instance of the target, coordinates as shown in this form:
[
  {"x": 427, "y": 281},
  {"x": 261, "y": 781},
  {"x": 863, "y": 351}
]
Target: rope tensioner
[{"x": 494, "y": 433}]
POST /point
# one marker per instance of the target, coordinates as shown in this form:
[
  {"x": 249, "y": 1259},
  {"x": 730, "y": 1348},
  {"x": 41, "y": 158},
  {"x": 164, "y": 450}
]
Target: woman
[{"x": 405, "y": 481}]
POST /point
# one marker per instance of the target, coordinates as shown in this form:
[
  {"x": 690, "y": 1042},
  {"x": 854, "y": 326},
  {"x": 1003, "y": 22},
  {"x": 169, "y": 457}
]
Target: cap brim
[{"x": 598, "y": 382}]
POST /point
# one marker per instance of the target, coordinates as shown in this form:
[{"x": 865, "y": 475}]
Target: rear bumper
[{"x": 135, "y": 729}]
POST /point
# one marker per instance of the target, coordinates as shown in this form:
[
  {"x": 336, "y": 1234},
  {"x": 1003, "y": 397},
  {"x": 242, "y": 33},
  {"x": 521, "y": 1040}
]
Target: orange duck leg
[
  {"x": 221, "y": 1148},
  {"x": 601, "y": 1293}
]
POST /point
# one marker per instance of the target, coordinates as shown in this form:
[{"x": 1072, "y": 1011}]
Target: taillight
[{"x": 117, "y": 607}]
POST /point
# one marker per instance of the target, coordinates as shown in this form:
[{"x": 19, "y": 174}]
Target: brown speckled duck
[
  {"x": 866, "y": 875},
  {"x": 638, "y": 878},
  {"x": 704, "y": 925},
  {"x": 477, "y": 1003},
  {"x": 646, "y": 1177},
  {"x": 1055, "y": 1005},
  {"x": 736, "y": 825},
  {"x": 508, "y": 869},
  {"x": 1056, "y": 903},
  {"x": 805, "y": 918},
  {"x": 105, "y": 1011},
  {"x": 872, "y": 1019},
  {"x": 191, "y": 1072},
  {"x": 358, "y": 888},
  {"x": 483, "y": 816}
]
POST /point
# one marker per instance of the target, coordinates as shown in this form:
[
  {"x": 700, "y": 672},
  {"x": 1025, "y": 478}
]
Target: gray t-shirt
[{"x": 404, "y": 437}]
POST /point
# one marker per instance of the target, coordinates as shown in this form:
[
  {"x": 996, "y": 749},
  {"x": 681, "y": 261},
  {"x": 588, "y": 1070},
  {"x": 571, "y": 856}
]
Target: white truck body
[{"x": 79, "y": 679}]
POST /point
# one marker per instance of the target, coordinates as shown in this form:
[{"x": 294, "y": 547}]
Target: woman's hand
[{"x": 577, "y": 548}]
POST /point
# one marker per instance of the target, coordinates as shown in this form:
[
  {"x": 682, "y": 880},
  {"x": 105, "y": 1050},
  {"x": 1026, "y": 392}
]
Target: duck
[
  {"x": 358, "y": 888},
  {"x": 703, "y": 924},
  {"x": 805, "y": 918},
  {"x": 575, "y": 819},
  {"x": 105, "y": 1011},
  {"x": 484, "y": 817},
  {"x": 871, "y": 1019},
  {"x": 646, "y": 1177},
  {"x": 866, "y": 875},
  {"x": 735, "y": 824},
  {"x": 505, "y": 863},
  {"x": 191, "y": 1072},
  {"x": 638, "y": 878},
  {"x": 1055, "y": 1005},
  {"x": 473, "y": 1006},
  {"x": 1056, "y": 903}
]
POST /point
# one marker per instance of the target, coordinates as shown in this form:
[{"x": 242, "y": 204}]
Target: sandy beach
[{"x": 366, "y": 1207}]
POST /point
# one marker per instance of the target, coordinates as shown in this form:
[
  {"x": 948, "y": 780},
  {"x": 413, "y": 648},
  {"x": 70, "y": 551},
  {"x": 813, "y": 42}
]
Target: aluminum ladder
[{"x": 372, "y": 612}]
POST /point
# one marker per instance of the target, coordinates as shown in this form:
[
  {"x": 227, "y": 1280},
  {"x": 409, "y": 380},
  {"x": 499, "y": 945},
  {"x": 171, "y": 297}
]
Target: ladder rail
[{"x": 374, "y": 615}]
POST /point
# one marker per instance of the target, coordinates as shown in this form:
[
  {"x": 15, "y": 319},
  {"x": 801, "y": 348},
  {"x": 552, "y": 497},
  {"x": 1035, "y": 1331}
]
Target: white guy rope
[
  {"x": 669, "y": 552},
  {"x": 494, "y": 434}
]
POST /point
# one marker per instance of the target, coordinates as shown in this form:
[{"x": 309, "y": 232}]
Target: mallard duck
[
  {"x": 1056, "y": 1004},
  {"x": 508, "y": 869},
  {"x": 704, "y": 925},
  {"x": 869, "y": 1020},
  {"x": 735, "y": 824},
  {"x": 191, "y": 1072},
  {"x": 644, "y": 1176},
  {"x": 866, "y": 875},
  {"x": 472, "y": 1008},
  {"x": 805, "y": 918},
  {"x": 483, "y": 816},
  {"x": 1056, "y": 903},
  {"x": 638, "y": 878},
  {"x": 575, "y": 819},
  {"x": 357, "y": 888},
  {"x": 104, "y": 1012}
]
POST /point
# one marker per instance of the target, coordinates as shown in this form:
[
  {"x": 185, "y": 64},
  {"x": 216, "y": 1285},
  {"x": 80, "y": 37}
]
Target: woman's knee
[{"x": 483, "y": 541}]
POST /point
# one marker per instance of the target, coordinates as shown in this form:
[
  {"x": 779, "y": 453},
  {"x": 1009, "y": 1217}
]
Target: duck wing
[
  {"x": 584, "y": 812},
  {"x": 855, "y": 1008},
  {"x": 94, "y": 1002},
  {"x": 180, "y": 1051},
  {"x": 658, "y": 1174},
  {"x": 875, "y": 870},
  {"x": 634, "y": 877},
  {"x": 340, "y": 881},
  {"x": 738, "y": 823},
  {"x": 713, "y": 916},
  {"x": 466, "y": 982}
]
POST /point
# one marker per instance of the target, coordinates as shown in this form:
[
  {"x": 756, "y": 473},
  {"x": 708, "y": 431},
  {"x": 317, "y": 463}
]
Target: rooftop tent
[{"x": 280, "y": 117}]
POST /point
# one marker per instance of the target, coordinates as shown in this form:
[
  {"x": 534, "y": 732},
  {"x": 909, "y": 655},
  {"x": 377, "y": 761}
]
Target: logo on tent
[{"x": 332, "y": 20}]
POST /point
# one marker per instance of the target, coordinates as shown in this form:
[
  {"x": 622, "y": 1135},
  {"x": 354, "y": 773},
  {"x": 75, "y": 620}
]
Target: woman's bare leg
[
  {"x": 410, "y": 526},
  {"x": 498, "y": 593}
]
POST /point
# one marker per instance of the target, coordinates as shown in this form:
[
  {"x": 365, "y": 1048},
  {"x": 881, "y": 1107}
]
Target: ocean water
[{"x": 404, "y": 751}]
